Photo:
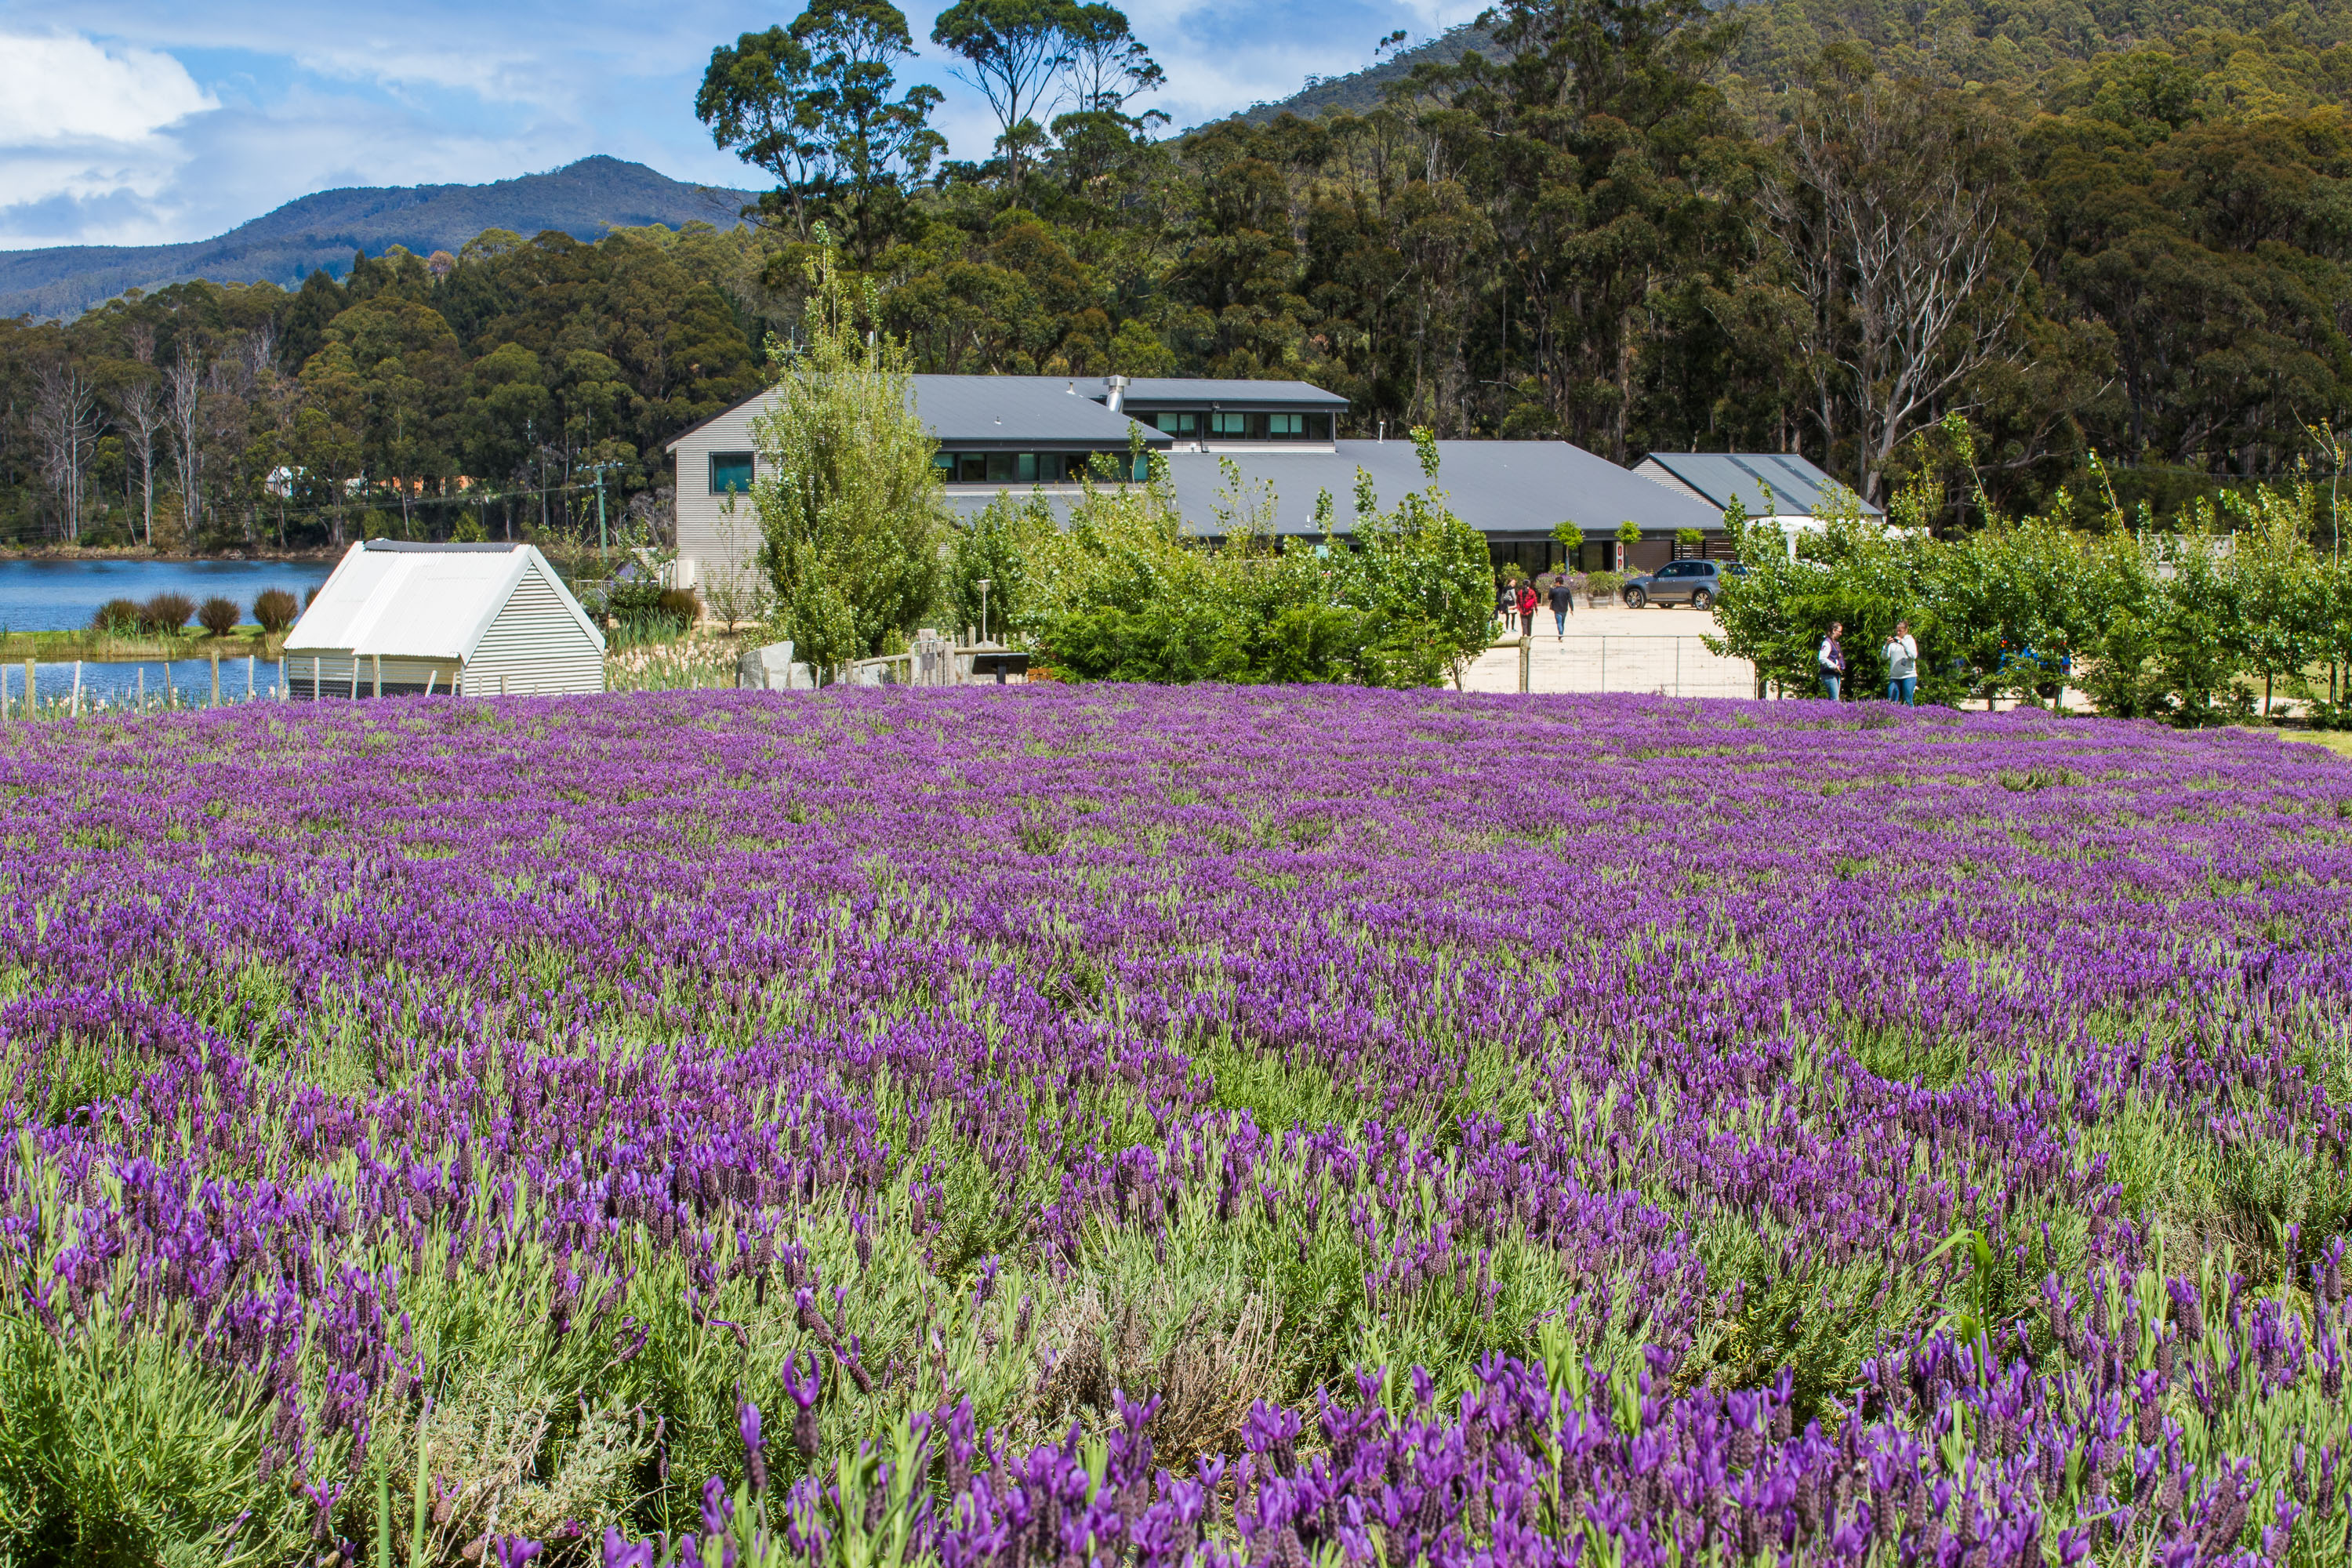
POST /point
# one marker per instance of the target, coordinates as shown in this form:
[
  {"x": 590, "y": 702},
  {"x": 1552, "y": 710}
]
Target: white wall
[{"x": 717, "y": 552}]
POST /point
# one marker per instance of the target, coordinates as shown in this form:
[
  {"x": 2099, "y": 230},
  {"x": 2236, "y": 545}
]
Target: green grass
[{"x": 59, "y": 647}]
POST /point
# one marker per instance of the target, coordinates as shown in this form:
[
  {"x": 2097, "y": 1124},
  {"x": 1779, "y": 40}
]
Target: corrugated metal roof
[
  {"x": 1495, "y": 487},
  {"x": 1035, "y": 409},
  {"x": 1798, "y": 487},
  {"x": 1162, "y": 391},
  {"x": 1046, "y": 410},
  {"x": 430, "y": 603}
]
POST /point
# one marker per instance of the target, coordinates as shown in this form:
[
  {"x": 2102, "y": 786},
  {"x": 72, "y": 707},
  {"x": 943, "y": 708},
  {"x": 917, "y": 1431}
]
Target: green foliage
[
  {"x": 1122, "y": 593},
  {"x": 848, "y": 502},
  {"x": 2146, "y": 624},
  {"x": 119, "y": 617},
  {"x": 810, "y": 106},
  {"x": 1569, "y": 536}
]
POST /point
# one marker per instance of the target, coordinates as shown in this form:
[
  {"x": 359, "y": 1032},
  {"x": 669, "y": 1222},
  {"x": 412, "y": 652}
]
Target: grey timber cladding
[{"x": 534, "y": 645}]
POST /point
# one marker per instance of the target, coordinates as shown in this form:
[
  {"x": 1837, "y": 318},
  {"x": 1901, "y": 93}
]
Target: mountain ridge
[{"x": 323, "y": 230}]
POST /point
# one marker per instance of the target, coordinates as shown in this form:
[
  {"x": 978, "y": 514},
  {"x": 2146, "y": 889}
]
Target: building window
[
  {"x": 1232, "y": 427},
  {"x": 1187, "y": 423},
  {"x": 1318, "y": 426},
  {"x": 730, "y": 471},
  {"x": 1292, "y": 426}
]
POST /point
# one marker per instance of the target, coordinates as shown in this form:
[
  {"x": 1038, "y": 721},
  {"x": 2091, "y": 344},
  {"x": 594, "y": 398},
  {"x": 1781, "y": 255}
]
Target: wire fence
[{"x": 1656, "y": 664}]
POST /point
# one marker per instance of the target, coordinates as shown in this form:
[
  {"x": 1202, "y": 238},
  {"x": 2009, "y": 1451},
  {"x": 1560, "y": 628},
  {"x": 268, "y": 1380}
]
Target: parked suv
[{"x": 1694, "y": 582}]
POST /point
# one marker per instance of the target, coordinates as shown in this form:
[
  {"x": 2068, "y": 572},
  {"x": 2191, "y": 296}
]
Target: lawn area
[
  {"x": 1172, "y": 1126},
  {"x": 2337, "y": 740}
]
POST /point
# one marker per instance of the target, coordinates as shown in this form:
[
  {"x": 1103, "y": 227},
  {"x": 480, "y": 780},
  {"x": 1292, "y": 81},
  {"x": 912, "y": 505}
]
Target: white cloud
[
  {"x": 67, "y": 88},
  {"x": 85, "y": 138}
]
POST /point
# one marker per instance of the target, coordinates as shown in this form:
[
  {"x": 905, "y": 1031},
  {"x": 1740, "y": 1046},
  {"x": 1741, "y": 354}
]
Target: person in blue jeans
[
  {"x": 1563, "y": 604},
  {"x": 1902, "y": 651},
  {"x": 1830, "y": 662}
]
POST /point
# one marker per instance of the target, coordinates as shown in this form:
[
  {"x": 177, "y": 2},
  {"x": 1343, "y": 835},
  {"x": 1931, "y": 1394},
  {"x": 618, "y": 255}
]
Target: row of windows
[
  {"x": 1034, "y": 468},
  {"x": 731, "y": 472},
  {"x": 1189, "y": 425}
]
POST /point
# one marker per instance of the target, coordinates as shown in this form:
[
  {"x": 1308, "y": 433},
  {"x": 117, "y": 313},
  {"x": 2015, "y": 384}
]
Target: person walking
[
  {"x": 1528, "y": 601},
  {"x": 1902, "y": 651},
  {"x": 1830, "y": 661},
  {"x": 1506, "y": 603},
  {"x": 1563, "y": 604}
]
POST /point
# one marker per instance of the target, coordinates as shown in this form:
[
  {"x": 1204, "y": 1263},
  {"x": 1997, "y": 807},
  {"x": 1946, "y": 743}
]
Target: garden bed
[{"x": 1394, "y": 1125}]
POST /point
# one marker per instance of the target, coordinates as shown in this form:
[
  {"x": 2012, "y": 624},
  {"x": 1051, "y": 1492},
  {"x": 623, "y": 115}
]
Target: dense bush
[
  {"x": 1124, "y": 593},
  {"x": 119, "y": 616},
  {"x": 218, "y": 615},
  {"x": 166, "y": 611},
  {"x": 682, "y": 605},
  {"x": 274, "y": 610},
  {"x": 2194, "y": 627}
]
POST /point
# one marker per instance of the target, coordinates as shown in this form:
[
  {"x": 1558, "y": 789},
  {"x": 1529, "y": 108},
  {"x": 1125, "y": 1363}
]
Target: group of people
[
  {"x": 1901, "y": 653},
  {"x": 1519, "y": 597}
]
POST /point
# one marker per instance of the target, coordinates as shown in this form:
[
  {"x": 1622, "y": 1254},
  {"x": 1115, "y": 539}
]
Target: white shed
[{"x": 482, "y": 619}]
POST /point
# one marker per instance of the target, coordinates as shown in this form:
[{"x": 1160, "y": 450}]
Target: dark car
[{"x": 1697, "y": 584}]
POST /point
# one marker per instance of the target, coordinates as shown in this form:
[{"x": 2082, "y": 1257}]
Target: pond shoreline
[{"x": 326, "y": 556}]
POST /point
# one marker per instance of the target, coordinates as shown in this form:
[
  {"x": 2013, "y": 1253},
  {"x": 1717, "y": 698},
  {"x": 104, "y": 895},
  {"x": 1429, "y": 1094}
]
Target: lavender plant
[{"x": 1161, "y": 1126}]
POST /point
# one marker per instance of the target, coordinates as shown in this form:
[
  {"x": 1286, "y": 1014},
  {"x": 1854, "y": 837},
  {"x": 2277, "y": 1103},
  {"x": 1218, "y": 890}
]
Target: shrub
[
  {"x": 1600, "y": 586},
  {"x": 218, "y": 615},
  {"x": 167, "y": 612},
  {"x": 680, "y": 605},
  {"x": 274, "y": 610},
  {"x": 119, "y": 617}
]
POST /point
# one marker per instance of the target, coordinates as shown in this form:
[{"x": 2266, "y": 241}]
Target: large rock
[{"x": 771, "y": 669}]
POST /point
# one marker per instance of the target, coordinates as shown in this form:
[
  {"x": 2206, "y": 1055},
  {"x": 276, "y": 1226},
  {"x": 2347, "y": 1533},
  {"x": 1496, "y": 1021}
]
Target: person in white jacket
[{"x": 1902, "y": 651}]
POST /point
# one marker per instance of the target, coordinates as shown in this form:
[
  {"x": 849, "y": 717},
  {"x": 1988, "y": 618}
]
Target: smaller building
[
  {"x": 484, "y": 620},
  {"x": 1778, "y": 486}
]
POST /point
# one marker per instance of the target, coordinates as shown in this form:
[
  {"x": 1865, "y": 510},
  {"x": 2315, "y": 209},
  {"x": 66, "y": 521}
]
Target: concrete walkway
[{"x": 1613, "y": 649}]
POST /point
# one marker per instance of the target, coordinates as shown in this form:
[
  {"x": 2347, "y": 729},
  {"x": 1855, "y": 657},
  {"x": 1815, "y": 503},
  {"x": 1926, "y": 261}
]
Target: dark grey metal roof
[
  {"x": 1067, "y": 412},
  {"x": 1171, "y": 391},
  {"x": 1798, "y": 487},
  {"x": 1500, "y": 487},
  {"x": 1024, "y": 411}
]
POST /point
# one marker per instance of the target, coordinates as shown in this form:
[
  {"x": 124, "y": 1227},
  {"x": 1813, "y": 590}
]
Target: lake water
[
  {"x": 62, "y": 595},
  {"x": 113, "y": 685}
]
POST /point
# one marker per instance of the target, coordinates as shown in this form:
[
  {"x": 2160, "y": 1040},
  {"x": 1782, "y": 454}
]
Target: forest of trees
[{"x": 1635, "y": 224}]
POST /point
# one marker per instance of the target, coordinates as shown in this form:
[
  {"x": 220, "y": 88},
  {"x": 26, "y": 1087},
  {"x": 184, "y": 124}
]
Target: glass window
[
  {"x": 1318, "y": 426},
  {"x": 972, "y": 467},
  {"x": 945, "y": 463},
  {"x": 730, "y": 471},
  {"x": 1232, "y": 427},
  {"x": 1001, "y": 467},
  {"x": 1290, "y": 425},
  {"x": 1178, "y": 424}
]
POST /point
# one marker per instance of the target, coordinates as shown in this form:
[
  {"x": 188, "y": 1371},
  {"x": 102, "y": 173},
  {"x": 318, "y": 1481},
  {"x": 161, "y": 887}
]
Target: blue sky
[{"x": 133, "y": 123}]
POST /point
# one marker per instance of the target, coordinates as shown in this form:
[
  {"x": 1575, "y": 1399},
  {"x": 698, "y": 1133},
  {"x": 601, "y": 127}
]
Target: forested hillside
[
  {"x": 323, "y": 230},
  {"x": 1639, "y": 224}
]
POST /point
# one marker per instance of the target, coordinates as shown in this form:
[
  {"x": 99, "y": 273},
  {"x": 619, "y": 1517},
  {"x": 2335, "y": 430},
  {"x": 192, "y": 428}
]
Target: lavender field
[{"x": 1119, "y": 1125}]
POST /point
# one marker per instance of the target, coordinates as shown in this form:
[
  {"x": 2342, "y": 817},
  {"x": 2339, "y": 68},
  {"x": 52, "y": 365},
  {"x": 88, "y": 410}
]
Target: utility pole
[{"x": 598, "y": 469}]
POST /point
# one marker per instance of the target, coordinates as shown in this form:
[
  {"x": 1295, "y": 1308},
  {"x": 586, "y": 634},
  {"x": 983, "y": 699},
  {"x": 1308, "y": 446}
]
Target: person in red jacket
[{"x": 1528, "y": 601}]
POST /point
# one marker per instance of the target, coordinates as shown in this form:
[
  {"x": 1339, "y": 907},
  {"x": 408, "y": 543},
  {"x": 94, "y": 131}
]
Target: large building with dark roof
[
  {"x": 1038, "y": 435},
  {"x": 1780, "y": 486}
]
